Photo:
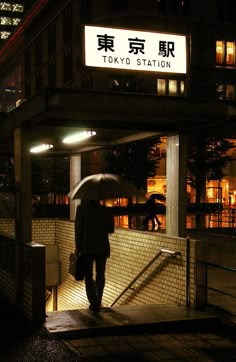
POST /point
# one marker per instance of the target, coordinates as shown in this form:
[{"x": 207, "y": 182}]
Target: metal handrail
[{"x": 172, "y": 253}]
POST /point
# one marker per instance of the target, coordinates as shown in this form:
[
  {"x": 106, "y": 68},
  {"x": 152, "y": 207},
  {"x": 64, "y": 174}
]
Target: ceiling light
[
  {"x": 41, "y": 148},
  {"x": 77, "y": 137}
]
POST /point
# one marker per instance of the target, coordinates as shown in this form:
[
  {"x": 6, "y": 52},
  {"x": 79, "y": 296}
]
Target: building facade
[
  {"x": 49, "y": 53},
  {"x": 58, "y": 86},
  {"x": 53, "y": 56},
  {"x": 11, "y": 13}
]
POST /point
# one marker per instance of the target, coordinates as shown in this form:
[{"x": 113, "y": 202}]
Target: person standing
[
  {"x": 151, "y": 214},
  {"x": 93, "y": 224}
]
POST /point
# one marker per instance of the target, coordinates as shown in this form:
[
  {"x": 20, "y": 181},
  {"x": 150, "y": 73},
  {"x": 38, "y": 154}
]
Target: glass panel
[
  {"x": 15, "y": 21},
  {"x": 120, "y": 5},
  {"x": 161, "y": 5},
  {"x": 161, "y": 87},
  {"x": 184, "y": 7},
  {"x": 4, "y": 34},
  {"x": 173, "y": 87},
  {"x": 219, "y": 91},
  {"x": 5, "y": 6},
  {"x": 18, "y": 8},
  {"x": 229, "y": 92},
  {"x": 182, "y": 88},
  {"x": 219, "y": 51},
  {"x": 4, "y": 20},
  {"x": 229, "y": 53},
  {"x": 173, "y": 7}
]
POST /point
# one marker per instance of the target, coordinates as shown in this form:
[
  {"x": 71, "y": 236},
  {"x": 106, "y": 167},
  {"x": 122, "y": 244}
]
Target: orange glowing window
[
  {"x": 225, "y": 52},
  {"x": 230, "y": 51},
  {"x": 219, "y": 52}
]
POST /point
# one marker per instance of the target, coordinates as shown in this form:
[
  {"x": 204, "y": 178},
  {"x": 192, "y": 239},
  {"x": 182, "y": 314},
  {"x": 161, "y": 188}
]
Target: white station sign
[{"x": 135, "y": 50}]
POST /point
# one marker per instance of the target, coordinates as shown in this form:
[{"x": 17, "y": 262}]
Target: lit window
[
  {"x": 230, "y": 53},
  {"x": 4, "y": 34},
  {"x": 5, "y": 6},
  {"x": 4, "y": 20},
  {"x": 225, "y": 52},
  {"x": 15, "y": 21},
  {"x": 225, "y": 91},
  {"x": 173, "y": 87},
  {"x": 229, "y": 91},
  {"x": 161, "y": 87},
  {"x": 219, "y": 91},
  {"x": 170, "y": 87},
  {"x": 17, "y": 8},
  {"x": 219, "y": 52},
  {"x": 182, "y": 88}
]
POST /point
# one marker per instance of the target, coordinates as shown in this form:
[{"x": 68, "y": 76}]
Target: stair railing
[{"x": 165, "y": 251}]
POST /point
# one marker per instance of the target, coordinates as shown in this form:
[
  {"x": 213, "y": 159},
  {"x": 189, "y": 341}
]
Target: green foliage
[
  {"x": 207, "y": 158},
  {"x": 50, "y": 174},
  {"x": 7, "y": 174},
  {"x": 135, "y": 161}
]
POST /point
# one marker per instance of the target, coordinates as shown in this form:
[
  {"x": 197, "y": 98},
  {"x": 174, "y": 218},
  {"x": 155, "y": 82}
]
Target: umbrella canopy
[
  {"x": 103, "y": 186},
  {"x": 156, "y": 196}
]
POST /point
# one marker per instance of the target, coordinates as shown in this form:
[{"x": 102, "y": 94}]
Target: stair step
[{"x": 125, "y": 319}]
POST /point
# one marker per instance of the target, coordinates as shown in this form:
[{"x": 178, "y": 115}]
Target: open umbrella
[
  {"x": 156, "y": 196},
  {"x": 103, "y": 186}
]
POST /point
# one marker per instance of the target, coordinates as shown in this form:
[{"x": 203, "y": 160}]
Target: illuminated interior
[
  {"x": 6, "y": 20},
  {"x": 230, "y": 53},
  {"x": 225, "y": 52},
  {"x": 170, "y": 87},
  {"x": 219, "y": 52}
]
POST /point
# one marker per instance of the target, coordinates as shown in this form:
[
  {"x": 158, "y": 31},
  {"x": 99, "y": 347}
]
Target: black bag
[{"x": 77, "y": 266}]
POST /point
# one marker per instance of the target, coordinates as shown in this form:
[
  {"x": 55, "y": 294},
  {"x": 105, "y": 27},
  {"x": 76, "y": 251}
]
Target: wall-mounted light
[
  {"x": 77, "y": 137},
  {"x": 41, "y": 148}
]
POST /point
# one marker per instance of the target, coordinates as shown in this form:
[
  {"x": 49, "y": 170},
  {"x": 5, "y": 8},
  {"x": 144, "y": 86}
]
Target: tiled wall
[
  {"x": 43, "y": 230},
  {"x": 163, "y": 282}
]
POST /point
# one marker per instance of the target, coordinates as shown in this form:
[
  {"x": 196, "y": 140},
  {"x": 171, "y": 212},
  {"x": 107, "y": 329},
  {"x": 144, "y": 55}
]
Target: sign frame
[{"x": 130, "y": 49}]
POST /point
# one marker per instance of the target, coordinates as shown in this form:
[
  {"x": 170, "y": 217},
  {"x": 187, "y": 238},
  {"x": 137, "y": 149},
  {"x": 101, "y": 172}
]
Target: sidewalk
[
  {"x": 206, "y": 341},
  {"x": 202, "y": 346}
]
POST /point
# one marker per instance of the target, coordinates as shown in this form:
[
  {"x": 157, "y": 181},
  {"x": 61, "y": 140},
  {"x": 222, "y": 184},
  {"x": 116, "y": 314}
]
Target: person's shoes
[{"x": 94, "y": 308}]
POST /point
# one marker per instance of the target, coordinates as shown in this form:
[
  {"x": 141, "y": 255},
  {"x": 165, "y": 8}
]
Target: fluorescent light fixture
[
  {"x": 77, "y": 137},
  {"x": 41, "y": 148}
]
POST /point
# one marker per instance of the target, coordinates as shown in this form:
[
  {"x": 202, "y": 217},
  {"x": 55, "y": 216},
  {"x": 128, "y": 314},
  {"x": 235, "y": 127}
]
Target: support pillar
[
  {"x": 176, "y": 201},
  {"x": 23, "y": 205},
  {"x": 75, "y": 176}
]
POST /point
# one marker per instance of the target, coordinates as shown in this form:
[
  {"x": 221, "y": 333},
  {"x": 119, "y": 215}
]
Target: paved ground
[
  {"x": 175, "y": 346},
  {"x": 204, "y": 342}
]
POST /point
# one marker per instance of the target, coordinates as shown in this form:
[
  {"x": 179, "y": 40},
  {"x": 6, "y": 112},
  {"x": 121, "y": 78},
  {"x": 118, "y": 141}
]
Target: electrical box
[{"x": 52, "y": 265}]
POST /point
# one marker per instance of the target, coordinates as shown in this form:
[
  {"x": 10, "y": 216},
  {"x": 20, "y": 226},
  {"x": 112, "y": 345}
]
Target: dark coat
[
  {"x": 93, "y": 223},
  {"x": 150, "y": 207}
]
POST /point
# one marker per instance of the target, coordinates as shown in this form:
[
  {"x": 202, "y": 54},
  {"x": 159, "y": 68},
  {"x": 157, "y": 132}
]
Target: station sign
[{"x": 107, "y": 47}]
